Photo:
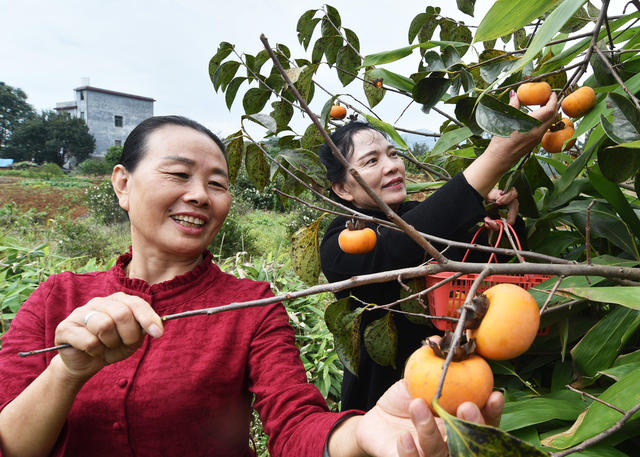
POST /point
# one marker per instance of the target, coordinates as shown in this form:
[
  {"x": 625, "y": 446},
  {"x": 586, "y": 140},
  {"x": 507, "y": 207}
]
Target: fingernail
[
  {"x": 502, "y": 192},
  {"x": 512, "y": 93},
  {"x": 469, "y": 414},
  {"x": 154, "y": 331},
  {"x": 407, "y": 442}
]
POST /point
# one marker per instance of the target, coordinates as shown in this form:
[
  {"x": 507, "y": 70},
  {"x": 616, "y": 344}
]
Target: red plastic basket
[{"x": 446, "y": 299}]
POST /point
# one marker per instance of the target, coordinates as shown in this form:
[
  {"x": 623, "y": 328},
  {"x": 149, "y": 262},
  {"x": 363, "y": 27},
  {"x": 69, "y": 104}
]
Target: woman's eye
[
  {"x": 371, "y": 161},
  {"x": 180, "y": 175},
  {"x": 394, "y": 154},
  {"x": 217, "y": 185}
]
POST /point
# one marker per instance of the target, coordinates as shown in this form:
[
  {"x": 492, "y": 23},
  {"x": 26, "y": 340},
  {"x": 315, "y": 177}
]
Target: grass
[{"x": 269, "y": 230}]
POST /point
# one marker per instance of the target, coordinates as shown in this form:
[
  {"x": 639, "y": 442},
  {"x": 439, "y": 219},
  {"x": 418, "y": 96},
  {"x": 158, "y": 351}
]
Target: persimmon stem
[{"x": 460, "y": 327}]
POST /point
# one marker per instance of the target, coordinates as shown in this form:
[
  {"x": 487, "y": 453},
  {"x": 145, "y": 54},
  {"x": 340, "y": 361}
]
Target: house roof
[
  {"x": 113, "y": 92},
  {"x": 4, "y": 163}
]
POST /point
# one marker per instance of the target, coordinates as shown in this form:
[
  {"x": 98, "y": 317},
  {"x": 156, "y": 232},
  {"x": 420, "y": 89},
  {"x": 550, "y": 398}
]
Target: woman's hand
[
  {"x": 104, "y": 331},
  {"x": 500, "y": 198},
  {"x": 503, "y": 153},
  {"x": 401, "y": 426}
]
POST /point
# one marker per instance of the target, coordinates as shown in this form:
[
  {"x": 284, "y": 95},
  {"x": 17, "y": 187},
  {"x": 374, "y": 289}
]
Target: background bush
[{"x": 103, "y": 204}]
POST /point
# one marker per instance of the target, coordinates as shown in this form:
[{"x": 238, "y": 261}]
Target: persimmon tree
[{"x": 577, "y": 389}]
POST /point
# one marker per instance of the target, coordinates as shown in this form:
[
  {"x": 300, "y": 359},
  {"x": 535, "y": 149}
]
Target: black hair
[
  {"x": 135, "y": 144},
  {"x": 342, "y": 137}
]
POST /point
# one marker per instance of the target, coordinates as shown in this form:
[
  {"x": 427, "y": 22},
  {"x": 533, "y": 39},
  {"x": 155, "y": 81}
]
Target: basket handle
[{"x": 497, "y": 243}]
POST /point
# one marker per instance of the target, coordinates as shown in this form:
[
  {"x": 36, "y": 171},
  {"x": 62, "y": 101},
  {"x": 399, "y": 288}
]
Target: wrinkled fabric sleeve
[
  {"x": 293, "y": 412},
  {"x": 27, "y": 332}
]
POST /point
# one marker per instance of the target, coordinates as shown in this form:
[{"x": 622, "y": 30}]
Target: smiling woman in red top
[{"x": 127, "y": 386}]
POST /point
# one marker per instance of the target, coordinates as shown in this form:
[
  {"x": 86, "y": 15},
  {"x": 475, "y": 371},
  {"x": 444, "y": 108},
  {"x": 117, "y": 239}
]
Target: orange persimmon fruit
[
  {"x": 534, "y": 93},
  {"x": 338, "y": 112},
  {"x": 579, "y": 102},
  {"x": 470, "y": 379},
  {"x": 553, "y": 140},
  {"x": 357, "y": 240},
  {"x": 510, "y": 325}
]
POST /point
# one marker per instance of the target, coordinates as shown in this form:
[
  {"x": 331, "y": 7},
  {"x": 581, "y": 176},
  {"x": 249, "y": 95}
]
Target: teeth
[{"x": 189, "y": 219}]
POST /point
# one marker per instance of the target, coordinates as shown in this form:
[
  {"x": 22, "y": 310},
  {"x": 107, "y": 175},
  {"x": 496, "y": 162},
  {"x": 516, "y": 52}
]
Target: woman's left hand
[
  {"x": 402, "y": 426},
  {"x": 508, "y": 199}
]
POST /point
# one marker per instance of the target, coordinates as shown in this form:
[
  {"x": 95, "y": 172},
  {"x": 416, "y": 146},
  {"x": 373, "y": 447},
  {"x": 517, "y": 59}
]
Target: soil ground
[{"x": 52, "y": 200}]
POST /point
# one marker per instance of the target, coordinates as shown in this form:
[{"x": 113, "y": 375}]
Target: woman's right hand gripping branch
[{"x": 104, "y": 331}]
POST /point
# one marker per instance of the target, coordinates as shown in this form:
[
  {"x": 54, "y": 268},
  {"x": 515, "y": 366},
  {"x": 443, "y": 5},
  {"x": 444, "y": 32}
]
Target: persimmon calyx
[
  {"x": 476, "y": 310},
  {"x": 462, "y": 351}
]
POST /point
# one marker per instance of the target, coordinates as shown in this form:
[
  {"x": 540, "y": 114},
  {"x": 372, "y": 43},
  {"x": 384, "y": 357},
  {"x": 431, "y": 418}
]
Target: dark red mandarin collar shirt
[{"x": 187, "y": 393}]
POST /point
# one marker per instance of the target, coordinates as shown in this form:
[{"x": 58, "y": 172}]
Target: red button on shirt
[
  {"x": 116, "y": 426},
  {"x": 122, "y": 382}
]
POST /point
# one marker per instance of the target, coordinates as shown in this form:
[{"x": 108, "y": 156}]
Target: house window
[
  {"x": 81, "y": 114},
  {"x": 81, "y": 95},
  {"x": 117, "y": 142},
  {"x": 117, "y": 121}
]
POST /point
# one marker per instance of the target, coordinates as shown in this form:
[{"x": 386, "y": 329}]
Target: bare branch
[
  {"x": 551, "y": 293},
  {"x": 618, "y": 79},
  {"x": 407, "y": 228}
]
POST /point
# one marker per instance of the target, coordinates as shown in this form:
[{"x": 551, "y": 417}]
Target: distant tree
[
  {"x": 14, "y": 111},
  {"x": 52, "y": 137},
  {"x": 113, "y": 155}
]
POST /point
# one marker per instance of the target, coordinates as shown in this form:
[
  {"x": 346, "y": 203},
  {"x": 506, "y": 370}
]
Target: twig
[
  {"x": 618, "y": 79},
  {"x": 594, "y": 398},
  {"x": 594, "y": 40},
  {"x": 457, "y": 335},
  {"x": 565, "y": 305},
  {"x": 426, "y": 167},
  {"x": 422, "y": 242},
  {"x": 551, "y": 293},
  {"x": 600, "y": 436},
  {"x": 414, "y": 272}
]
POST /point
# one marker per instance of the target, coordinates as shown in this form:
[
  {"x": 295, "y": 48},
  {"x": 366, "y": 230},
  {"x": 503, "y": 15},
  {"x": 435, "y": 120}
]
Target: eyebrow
[
  {"x": 216, "y": 170},
  {"x": 373, "y": 152}
]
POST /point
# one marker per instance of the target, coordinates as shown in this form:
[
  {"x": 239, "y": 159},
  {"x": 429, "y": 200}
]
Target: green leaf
[
  {"x": 603, "y": 342},
  {"x": 305, "y": 82},
  {"x": 388, "y": 129},
  {"x": 264, "y": 120},
  {"x": 433, "y": 61},
  {"x": 332, "y": 47},
  {"x": 306, "y": 163},
  {"x": 466, "y": 6},
  {"x": 507, "y": 16},
  {"x": 282, "y": 113},
  {"x": 501, "y": 119},
  {"x": 428, "y": 91},
  {"x": 466, "y": 439},
  {"x": 224, "y": 49},
  {"x": 349, "y": 61},
  {"x": 550, "y": 27},
  {"x": 450, "y": 139},
  {"x": 624, "y": 394},
  {"x": 381, "y": 340},
  {"x": 255, "y": 99},
  {"x": 417, "y": 23},
  {"x": 312, "y": 138},
  {"x": 305, "y": 253},
  {"x": 465, "y": 113},
  {"x": 391, "y": 79},
  {"x": 625, "y": 296},
  {"x": 387, "y": 56},
  {"x": 257, "y": 167},
  {"x": 352, "y": 39},
  {"x": 618, "y": 163},
  {"x": 235, "y": 152},
  {"x": 374, "y": 95},
  {"x": 626, "y": 120},
  {"x": 344, "y": 324},
  {"x": 306, "y": 25},
  {"x": 232, "y": 90},
  {"x": 523, "y": 413},
  {"x": 224, "y": 73},
  {"x": 616, "y": 198},
  {"x": 455, "y": 32},
  {"x": 415, "y": 285}
]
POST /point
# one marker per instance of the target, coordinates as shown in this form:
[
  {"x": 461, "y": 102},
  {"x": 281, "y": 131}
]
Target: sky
[{"x": 161, "y": 49}]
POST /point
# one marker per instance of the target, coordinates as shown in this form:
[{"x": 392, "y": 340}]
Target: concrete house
[{"x": 110, "y": 115}]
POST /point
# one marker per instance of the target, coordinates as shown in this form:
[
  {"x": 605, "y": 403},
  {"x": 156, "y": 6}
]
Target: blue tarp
[{"x": 5, "y": 163}]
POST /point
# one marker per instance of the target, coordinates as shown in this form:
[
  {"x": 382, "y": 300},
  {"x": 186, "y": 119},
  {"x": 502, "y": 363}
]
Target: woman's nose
[
  {"x": 390, "y": 164},
  {"x": 198, "y": 194}
]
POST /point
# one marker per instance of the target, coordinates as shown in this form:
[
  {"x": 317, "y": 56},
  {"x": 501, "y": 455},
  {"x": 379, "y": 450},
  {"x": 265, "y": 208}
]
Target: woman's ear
[
  {"x": 342, "y": 191},
  {"x": 120, "y": 183}
]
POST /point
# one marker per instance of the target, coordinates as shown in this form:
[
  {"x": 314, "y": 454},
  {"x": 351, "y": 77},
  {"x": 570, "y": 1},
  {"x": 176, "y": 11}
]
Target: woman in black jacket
[{"x": 449, "y": 213}]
